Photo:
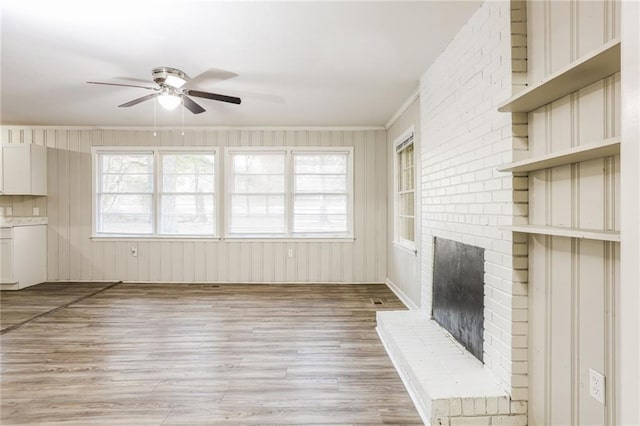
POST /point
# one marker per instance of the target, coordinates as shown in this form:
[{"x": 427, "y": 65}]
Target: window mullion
[
  {"x": 157, "y": 160},
  {"x": 289, "y": 182}
]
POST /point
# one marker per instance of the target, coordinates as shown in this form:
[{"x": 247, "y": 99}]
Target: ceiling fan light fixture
[
  {"x": 175, "y": 81},
  {"x": 169, "y": 102}
]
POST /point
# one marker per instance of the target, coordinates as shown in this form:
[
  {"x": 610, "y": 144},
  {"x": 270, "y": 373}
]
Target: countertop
[{"x": 11, "y": 221}]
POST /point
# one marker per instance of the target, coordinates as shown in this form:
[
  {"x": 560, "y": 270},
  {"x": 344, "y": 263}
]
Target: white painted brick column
[{"x": 464, "y": 197}]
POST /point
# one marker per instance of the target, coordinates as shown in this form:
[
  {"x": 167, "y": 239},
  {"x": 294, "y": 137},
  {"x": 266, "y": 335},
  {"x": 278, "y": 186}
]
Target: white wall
[
  {"x": 73, "y": 255},
  {"x": 628, "y": 321},
  {"x": 464, "y": 197},
  {"x": 403, "y": 265}
]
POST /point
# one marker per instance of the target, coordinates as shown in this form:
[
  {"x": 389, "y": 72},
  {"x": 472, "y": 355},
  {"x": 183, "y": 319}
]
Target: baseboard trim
[
  {"x": 218, "y": 282},
  {"x": 401, "y": 295}
]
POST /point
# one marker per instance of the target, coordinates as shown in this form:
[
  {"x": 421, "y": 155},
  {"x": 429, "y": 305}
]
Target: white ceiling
[{"x": 297, "y": 63}]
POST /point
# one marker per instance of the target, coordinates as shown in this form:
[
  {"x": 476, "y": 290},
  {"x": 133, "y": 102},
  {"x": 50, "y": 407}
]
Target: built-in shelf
[
  {"x": 605, "y": 148},
  {"x": 557, "y": 231},
  {"x": 589, "y": 69}
]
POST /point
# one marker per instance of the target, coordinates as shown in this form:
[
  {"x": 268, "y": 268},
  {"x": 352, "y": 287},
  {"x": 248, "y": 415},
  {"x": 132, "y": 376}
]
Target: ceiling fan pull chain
[
  {"x": 182, "y": 116},
  {"x": 155, "y": 113}
]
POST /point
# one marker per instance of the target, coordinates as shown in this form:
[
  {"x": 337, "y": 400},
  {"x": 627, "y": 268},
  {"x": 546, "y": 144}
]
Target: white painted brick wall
[{"x": 464, "y": 197}]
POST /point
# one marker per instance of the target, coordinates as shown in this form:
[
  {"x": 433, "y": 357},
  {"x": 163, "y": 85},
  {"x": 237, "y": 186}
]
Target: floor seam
[{"x": 56, "y": 309}]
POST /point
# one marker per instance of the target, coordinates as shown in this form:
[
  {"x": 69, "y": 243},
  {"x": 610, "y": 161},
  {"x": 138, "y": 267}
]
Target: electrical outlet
[
  {"x": 9, "y": 211},
  {"x": 134, "y": 251},
  {"x": 36, "y": 211},
  {"x": 290, "y": 252},
  {"x": 596, "y": 386}
]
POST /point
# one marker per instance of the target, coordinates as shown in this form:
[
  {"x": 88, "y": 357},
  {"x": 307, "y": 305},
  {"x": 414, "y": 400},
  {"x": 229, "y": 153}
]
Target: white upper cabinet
[{"x": 24, "y": 170}]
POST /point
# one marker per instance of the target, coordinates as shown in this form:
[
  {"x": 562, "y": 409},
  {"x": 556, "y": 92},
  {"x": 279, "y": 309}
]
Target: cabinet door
[
  {"x": 24, "y": 169},
  {"x": 30, "y": 254},
  {"x": 16, "y": 169},
  {"x": 6, "y": 261},
  {"x": 38, "y": 166}
]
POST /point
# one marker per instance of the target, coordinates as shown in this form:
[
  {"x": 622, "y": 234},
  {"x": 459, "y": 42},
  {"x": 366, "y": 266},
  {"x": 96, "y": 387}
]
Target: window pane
[
  {"x": 257, "y": 193},
  {"x": 259, "y": 163},
  {"x": 257, "y": 214},
  {"x": 125, "y": 203},
  {"x": 406, "y": 204},
  {"x": 252, "y": 183},
  {"x": 323, "y": 178},
  {"x": 127, "y": 163},
  {"x": 188, "y": 172},
  {"x": 321, "y": 163},
  {"x": 188, "y": 183},
  {"x": 320, "y": 204},
  {"x": 127, "y": 183},
  {"x": 405, "y": 172},
  {"x": 320, "y": 213},
  {"x": 130, "y": 203},
  {"x": 310, "y": 224},
  {"x": 125, "y": 214},
  {"x": 187, "y": 214},
  {"x": 191, "y": 164},
  {"x": 406, "y": 228},
  {"x": 319, "y": 183},
  {"x": 130, "y": 223}
]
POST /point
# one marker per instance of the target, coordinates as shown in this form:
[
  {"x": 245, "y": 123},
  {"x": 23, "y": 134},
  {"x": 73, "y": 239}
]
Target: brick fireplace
[{"x": 464, "y": 198}]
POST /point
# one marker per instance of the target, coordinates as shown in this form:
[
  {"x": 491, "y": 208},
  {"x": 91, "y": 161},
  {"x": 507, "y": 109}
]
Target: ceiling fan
[{"x": 170, "y": 91}]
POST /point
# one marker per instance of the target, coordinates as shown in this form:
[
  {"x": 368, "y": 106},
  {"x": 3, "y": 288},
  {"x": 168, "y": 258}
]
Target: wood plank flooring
[{"x": 197, "y": 354}]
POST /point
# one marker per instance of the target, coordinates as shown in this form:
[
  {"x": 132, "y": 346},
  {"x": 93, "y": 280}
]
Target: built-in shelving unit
[
  {"x": 589, "y": 69},
  {"x": 590, "y": 234},
  {"x": 605, "y": 148}
]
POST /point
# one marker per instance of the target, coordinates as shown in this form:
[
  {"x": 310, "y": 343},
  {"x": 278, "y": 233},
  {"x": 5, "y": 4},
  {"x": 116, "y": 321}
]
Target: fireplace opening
[{"x": 458, "y": 292}]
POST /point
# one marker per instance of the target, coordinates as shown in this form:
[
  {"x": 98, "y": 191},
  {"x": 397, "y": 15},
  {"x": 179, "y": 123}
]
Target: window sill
[
  {"x": 406, "y": 248},
  {"x": 154, "y": 238},
  {"x": 252, "y": 239}
]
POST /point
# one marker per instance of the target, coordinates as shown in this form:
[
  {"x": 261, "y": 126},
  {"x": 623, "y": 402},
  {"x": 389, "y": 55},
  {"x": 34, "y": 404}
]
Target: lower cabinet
[{"x": 23, "y": 256}]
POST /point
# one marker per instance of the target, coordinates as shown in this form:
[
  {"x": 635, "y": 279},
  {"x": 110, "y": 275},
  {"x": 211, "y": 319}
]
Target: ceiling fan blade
[
  {"x": 211, "y": 75},
  {"x": 138, "y": 100},
  {"x": 134, "y": 79},
  {"x": 191, "y": 105},
  {"x": 214, "y": 96},
  {"x": 119, "y": 84}
]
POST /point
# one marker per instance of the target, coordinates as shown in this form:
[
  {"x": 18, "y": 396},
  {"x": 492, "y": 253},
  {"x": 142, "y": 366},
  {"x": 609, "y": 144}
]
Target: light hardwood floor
[{"x": 198, "y": 354}]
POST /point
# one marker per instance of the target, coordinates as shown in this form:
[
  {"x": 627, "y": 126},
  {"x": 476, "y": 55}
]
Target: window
[
  {"x": 320, "y": 194},
  {"x": 187, "y": 194},
  {"x": 155, "y": 192},
  {"x": 257, "y": 193},
  {"x": 275, "y": 192},
  {"x": 405, "y": 191},
  {"x": 125, "y": 193},
  {"x": 269, "y": 192}
]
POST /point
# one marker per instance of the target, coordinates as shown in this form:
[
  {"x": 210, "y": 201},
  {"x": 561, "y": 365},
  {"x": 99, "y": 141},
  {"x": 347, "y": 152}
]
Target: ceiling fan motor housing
[{"x": 162, "y": 76}]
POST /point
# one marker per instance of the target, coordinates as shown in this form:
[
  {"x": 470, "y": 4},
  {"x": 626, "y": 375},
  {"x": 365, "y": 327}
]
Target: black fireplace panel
[{"x": 458, "y": 292}]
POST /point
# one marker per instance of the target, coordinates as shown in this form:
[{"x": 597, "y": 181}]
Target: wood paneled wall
[
  {"x": 403, "y": 265},
  {"x": 73, "y": 255},
  {"x": 572, "y": 281}
]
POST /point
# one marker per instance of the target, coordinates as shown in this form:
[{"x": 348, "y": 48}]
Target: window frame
[
  {"x": 156, "y": 152},
  {"x": 397, "y": 238},
  {"x": 228, "y": 176},
  {"x": 289, "y": 194}
]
